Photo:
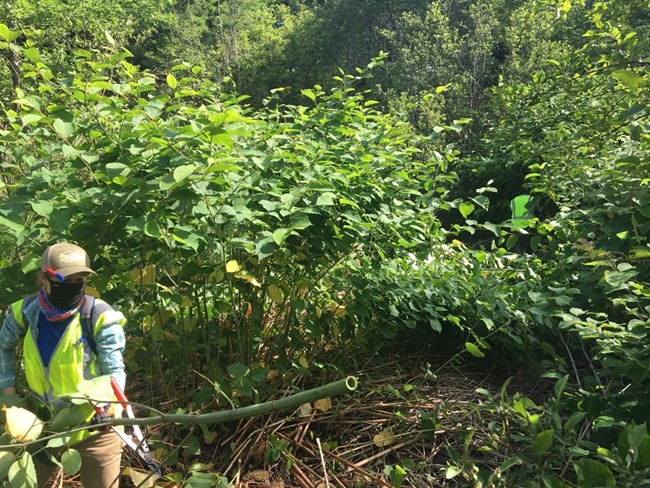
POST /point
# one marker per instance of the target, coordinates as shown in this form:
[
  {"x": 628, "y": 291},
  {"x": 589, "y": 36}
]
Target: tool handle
[{"x": 119, "y": 394}]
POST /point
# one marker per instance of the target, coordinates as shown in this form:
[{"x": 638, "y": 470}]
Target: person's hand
[{"x": 97, "y": 420}]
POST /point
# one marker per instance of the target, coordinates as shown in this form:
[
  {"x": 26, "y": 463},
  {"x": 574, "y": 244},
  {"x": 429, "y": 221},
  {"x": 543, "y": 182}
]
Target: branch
[{"x": 340, "y": 387}]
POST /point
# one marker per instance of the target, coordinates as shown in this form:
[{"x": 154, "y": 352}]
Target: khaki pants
[{"x": 100, "y": 461}]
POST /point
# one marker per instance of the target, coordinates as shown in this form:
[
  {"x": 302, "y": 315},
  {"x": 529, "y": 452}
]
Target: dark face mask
[{"x": 66, "y": 295}]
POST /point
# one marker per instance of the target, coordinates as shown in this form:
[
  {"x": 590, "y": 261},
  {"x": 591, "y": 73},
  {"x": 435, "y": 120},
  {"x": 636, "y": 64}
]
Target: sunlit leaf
[
  {"x": 142, "y": 479},
  {"x": 182, "y": 172},
  {"x": 98, "y": 389},
  {"x": 466, "y": 208},
  {"x": 279, "y": 236},
  {"x": 474, "y": 350},
  {"x": 71, "y": 461},
  {"x": 171, "y": 81},
  {"x": 22, "y": 425},
  {"x": 22, "y": 473},
  {"x": 323, "y": 404}
]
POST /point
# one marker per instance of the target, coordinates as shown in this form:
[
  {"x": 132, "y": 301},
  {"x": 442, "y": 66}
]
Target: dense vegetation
[{"x": 266, "y": 186}]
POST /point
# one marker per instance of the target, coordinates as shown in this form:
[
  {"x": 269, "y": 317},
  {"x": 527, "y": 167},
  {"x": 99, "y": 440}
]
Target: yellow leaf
[
  {"x": 272, "y": 374},
  {"x": 247, "y": 277},
  {"x": 336, "y": 332},
  {"x": 305, "y": 410},
  {"x": 144, "y": 276},
  {"x": 324, "y": 404},
  {"x": 303, "y": 361},
  {"x": 162, "y": 316},
  {"x": 189, "y": 324},
  {"x": 275, "y": 294},
  {"x": 92, "y": 291},
  {"x": 337, "y": 310},
  {"x": 22, "y": 425},
  {"x": 233, "y": 266},
  {"x": 384, "y": 438},
  {"x": 139, "y": 478},
  {"x": 185, "y": 303}
]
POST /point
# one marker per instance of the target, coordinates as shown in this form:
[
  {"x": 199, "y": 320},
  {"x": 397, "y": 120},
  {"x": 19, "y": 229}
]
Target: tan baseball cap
[{"x": 66, "y": 259}]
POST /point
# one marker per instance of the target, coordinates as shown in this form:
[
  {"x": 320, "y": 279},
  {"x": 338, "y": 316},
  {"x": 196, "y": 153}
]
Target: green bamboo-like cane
[{"x": 336, "y": 388}]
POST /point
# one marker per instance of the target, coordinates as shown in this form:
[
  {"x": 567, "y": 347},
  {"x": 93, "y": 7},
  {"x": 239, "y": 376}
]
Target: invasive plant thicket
[
  {"x": 227, "y": 236},
  {"x": 244, "y": 243}
]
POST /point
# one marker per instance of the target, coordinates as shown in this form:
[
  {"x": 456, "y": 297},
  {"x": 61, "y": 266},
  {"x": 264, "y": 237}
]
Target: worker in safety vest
[{"x": 57, "y": 356}]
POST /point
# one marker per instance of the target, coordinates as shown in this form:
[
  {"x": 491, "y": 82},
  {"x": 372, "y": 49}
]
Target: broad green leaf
[
  {"x": 13, "y": 226},
  {"x": 509, "y": 463},
  {"x": 543, "y": 442},
  {"x": 280, "y": 235},
  {"x": 29, "y": 118},
  {"x": 628, "y": 78},
  {"x": 550, "y": 480},
  {"x": 492, "y": 228},
  {"x": 238, "y": 370},
  {"x": 309, "y": 94},
  {"x": 42, "y": 208},
  {"x": 592, "y": 473},
  {"x": 22, "y": 473},
  {"x": 632, "y": 111},
  {"x": 644, "y": 452},
  {"x": 474, "y": 350},
  {"x": 182, "y": 172},
  {"x": 6, "y": 460},
  {"x": 69, "y": 152},
  {"x": 186, "y": 239},
  {"x": 152, "y": 229},
  {"x": 33, "y": 55},
  {"x": 65, "y": 419},
  {"x": 631, "y": 437},
  {"x": 98, "y": 389},
  {"x": 71, "y": 461},
  {"x": 300, "y": 221},
  {"x": 171, "y": 81},
  {"x": 574, "y": 419},
  {"x": 7, "y": 34},
  {"x": 326, "y": 198},
  {"x": 560, "y": 386},
  {"x": 452, "y": 471},
  {"x": 59, "y": 441},
  {"x": 116, "y": 169},
  {"x": 65, "y": 129},
  {"x": 619, "y": 278},
  {"x": 466, "y": 208}
]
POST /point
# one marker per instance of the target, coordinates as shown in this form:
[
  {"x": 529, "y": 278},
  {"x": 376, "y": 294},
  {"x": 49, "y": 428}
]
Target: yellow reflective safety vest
[{"x": 71, "y": 362}]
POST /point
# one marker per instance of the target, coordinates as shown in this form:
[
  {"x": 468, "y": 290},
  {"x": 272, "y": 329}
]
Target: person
[{"x": 57, "y": 356}]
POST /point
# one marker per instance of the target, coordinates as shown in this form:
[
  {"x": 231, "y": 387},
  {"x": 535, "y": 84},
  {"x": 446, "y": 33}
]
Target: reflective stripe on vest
[{"x": 66, "y": 368}]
